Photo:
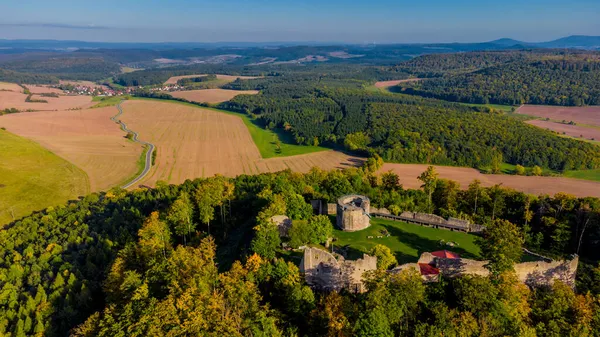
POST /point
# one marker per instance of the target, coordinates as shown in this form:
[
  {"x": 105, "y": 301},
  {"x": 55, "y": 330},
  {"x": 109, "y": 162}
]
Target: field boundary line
[{"x": 151, "y": 147}]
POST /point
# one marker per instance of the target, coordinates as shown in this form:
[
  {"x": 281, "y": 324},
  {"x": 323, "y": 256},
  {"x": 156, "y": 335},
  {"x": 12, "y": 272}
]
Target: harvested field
[
  {"x": 464, "y": 176},
  {"x": 211, "y": 95},
  {"x": 10, "y": 99},
  {"x": 4, "y": 86},
  {"x": 194, "y": 142},
  {"x": 86, "y": 138},
  {"x": 33, "y": 178},
  {"x": 386, "y": 84},
  {"x": 575, "y": 131},
  {"x": 583, "y": 115},
  {"x": 41, "y": 89},
  {"x": 225, "y": 78}
]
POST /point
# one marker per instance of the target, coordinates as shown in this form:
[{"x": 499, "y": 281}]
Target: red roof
[
  {"x": 427, "y": 269},
  {"x": 446, "y": 254}
]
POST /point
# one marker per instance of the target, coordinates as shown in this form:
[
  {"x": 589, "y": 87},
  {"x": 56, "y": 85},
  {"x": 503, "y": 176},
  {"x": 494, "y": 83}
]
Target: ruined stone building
[
  {"x": 353, "y": 212},
  {"x": 325, "y": 271},
  {"x": 283, "y": 223},
  {"x": 449, "y": 264}
]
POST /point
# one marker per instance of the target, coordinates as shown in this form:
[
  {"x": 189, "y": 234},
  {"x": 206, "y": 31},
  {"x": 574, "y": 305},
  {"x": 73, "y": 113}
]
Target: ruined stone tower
[{"x": 353, "y": 212}]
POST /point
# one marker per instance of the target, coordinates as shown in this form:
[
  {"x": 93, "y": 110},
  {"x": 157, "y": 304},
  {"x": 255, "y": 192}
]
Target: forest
[
  {"x": 65, "y": 67},
  {"x": 534, "y": 78},
  {"x": 202, "y": 258},
  {"x": 17, "y": 77},
  {"x": 403, "y": 128}
]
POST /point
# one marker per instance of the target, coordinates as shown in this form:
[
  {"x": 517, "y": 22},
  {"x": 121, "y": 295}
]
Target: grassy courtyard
[{"x": 407, "y": 241}]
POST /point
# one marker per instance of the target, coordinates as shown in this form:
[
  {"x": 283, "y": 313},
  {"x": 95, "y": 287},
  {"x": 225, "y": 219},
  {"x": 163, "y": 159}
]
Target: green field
[
  {"x": 107, "y": 101},
  {"x": 407, "y": 241},
  {"x": 593, "y": 175},
  {"x": 33, "y": 178},
  {"x": 264, "y": 139},
  {"x": 503, "y": 108}
]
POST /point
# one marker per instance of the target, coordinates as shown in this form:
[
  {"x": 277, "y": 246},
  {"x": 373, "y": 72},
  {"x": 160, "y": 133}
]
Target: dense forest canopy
[
  {"x": 68, "y": 68},
  {"x": 327, "y": 108},
  {"x": 569, "y": 79},
  {"x": 17, "y": 77},
  {"x": 144, "y": 263}
]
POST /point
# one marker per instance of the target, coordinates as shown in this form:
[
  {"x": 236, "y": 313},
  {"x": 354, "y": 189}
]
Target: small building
[{"x": 353, "y": 212}]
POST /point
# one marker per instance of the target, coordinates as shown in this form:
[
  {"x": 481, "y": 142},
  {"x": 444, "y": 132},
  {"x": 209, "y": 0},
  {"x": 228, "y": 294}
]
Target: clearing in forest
[
  {"x": 464, "y": 176},
  {"x": 387, "y": 84},
  {"x": 582, "y": 115},
  {"x": 224, "y": 78},
  {"x": 575, "y": 131},
  {"x": 195, "y": 142},
  {"x": 211, "y": 96},
  {"x": 33, "y": 178},
  {"x": 406, "y": 241},
  {"x": 86, "y": 138}
]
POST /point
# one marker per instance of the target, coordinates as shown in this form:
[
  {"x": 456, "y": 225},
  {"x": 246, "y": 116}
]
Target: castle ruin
[
  {"x": 353, "y": 212},
  {"x": 325, "y": 271}
]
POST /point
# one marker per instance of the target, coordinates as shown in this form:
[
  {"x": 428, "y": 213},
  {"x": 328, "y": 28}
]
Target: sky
[{"x": 350, "y": 21}]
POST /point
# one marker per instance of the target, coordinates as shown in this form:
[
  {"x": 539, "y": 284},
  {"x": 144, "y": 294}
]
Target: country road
[{"x": 151, "y": 147}]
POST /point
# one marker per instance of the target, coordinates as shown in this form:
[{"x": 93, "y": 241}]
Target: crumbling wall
[
  {"x": 283, "y": 223},
  {"x": 331, "y": 209},
  {"x": 431, "y": 218},
  {"x": 545, "y": 273},
  {"x": 380, "y": 210},
  {"x": 325, "y": 271}
]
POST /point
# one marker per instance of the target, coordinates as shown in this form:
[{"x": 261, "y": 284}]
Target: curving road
[{"x": 151, "y": 147}]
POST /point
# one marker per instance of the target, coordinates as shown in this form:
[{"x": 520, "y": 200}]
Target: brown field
[
  {"x": 227, "y": 78},
  {"x": 41, "y": 89},
  {"x": 86, "y": 138},
  {"x": 464, "y": 176},
  {"x": 10, "y": 99},
  {"x": 575, "y": 131},
  {"x": 386, "y": 84},
  {"x": 211, "y": 95},
  {"x": 193, "y": 142},
  {"x": 583, "y": 115},
  {"x": 10, "y": 87}
]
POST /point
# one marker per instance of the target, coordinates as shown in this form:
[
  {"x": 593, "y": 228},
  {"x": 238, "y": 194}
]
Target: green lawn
[
  {"x": 584, "y": 174},
  {"x": 407, "y": 241},
  {"x": 264, "y": 139},
  {"x": 33, "y": 178},
  {"x": 107, "y": 101}
]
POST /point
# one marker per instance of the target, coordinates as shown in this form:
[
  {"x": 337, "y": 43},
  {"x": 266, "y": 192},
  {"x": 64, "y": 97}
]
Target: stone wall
[
  {"x": 380, "y": 210},
  {"x": 283, "y": 223},
  {"x": 353, "y": 213},
  {"x": 539, "y": 273},
  {"x": 331, "y": 209},
  {"x": 325, "y": 271}
]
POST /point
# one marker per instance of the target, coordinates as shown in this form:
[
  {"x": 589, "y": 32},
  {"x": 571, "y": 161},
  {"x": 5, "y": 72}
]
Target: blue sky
[{"x": 381, "y": 21}]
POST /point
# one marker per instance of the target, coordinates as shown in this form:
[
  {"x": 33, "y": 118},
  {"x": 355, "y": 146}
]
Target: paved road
[{"x": 150, "y": 146}]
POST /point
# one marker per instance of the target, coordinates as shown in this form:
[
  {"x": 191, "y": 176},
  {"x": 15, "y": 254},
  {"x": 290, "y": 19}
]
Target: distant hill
[{"x": 573, "y": 41}]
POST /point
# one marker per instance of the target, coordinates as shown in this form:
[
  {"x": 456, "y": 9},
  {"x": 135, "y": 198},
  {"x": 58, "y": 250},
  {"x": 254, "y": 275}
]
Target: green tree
[
  {"x": 155, "y": 237},
  {"x": 536, "y": 171},
  {"x": 180, "y": 216},
  {"x": 429, "y": 179},
  {"x": 520, "y": 170},
  {"x": 373, "y": 323},
  {"x": 502, "y": 245},
  {"x": 385, "y": 258}
]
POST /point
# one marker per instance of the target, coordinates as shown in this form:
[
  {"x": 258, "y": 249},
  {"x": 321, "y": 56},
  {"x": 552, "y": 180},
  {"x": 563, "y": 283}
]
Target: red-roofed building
[{"x": 445, "y": 254}]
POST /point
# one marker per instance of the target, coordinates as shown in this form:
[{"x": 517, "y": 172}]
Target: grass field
[
  {"x": 503, "y": 108},
  {"x": 33, "y": 178},
  {"x": 211, "y": 96},
  {"x": 593, "y": 175},
  {"x": 407, "y": 241},
  {"x": 102, "y": 102},
  {"x": 86, "y": 138}
]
